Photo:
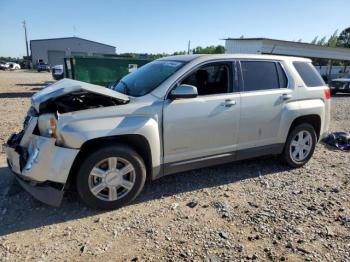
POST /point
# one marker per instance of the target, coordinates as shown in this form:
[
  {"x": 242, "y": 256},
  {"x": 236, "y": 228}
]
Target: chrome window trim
[
  {"x": 183, "y": 76},
  {"x": 265, "y": 60}
]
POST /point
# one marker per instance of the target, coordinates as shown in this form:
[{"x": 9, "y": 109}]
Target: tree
[
  {"x": 322, "y": 41},
  {"x": 209, "y": 50},
  {"x": 344, "y": 41},
  {"x": 333, "y": 40},
  {"x": 219, "y": 49},
  {"x": 314, "y": 41},
  {"x": 344, "y": 38},
  {"x": 341, "y": 40},
  {"x": 10, "y": 59},
  {"x": 180, "y": 53}
]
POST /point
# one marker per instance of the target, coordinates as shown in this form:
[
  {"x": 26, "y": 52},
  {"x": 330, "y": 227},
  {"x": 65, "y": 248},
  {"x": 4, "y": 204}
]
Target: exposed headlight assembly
[{"x": 47, "y": 124}]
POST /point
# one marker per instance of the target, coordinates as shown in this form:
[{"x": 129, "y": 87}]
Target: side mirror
[{"x": 184, "y": 91}]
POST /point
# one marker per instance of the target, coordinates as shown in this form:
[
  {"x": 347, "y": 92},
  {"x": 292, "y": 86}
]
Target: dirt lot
[{"x": 251, "y": 210}]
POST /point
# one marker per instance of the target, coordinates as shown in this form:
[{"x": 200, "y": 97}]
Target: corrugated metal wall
[
  {"x": 305, "y": 50},
  {"x": 243, "y": 47},
  {"x": 40, "y": 49},
  {"x": 56, "y": 57}
]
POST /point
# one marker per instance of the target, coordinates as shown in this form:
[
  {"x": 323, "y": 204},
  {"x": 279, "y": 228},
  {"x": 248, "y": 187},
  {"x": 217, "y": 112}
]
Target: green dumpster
[{"x": 100, "y": 70}]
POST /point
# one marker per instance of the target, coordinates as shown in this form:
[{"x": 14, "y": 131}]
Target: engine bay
[{"x": 77, "y": 101}]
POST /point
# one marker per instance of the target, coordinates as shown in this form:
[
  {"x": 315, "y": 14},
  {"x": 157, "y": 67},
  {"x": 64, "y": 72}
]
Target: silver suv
[{"x": 171, "y": 115}]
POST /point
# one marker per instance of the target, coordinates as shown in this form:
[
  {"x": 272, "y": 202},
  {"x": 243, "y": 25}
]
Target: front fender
[{"x": 75, "y": 133}]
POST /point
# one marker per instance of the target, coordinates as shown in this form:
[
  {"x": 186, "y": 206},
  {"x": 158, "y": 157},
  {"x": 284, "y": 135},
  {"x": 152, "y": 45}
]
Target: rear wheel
[
  {"x": 300, "y": 145},
  {"x": 111, "y": 177}
]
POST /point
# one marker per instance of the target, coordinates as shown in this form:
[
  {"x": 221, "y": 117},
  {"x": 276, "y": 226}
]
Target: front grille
[
  {"x": 338, "y": 84},
  {"x": 30, "y": 113},
  {"x": 15, "y": 139}
]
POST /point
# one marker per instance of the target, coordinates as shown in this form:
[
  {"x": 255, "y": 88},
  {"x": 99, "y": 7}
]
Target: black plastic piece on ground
[
  {"x": 340, "y": 140},
  {"x": 44, "y": 193}
]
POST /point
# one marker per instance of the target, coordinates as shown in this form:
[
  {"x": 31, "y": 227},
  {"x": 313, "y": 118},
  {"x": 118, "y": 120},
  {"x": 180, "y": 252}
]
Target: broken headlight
[{"x": 47, "y": 124}]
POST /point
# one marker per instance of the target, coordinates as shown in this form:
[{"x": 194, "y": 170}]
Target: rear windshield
[{"x": 309, "y": 74}]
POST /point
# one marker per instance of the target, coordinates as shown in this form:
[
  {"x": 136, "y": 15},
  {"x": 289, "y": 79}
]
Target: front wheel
[
  {"x": 300, "y": 145},
  {"x": 111, "y": 177}
]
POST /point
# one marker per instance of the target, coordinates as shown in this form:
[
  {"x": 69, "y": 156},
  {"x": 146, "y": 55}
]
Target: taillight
[{"x": 327, "y": 93}]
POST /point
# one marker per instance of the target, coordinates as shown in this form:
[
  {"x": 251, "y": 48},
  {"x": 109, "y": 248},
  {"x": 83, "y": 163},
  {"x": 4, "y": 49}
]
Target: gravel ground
[
  {"x": 16, "y": 88},
  {"x": 250, "y": 210}
]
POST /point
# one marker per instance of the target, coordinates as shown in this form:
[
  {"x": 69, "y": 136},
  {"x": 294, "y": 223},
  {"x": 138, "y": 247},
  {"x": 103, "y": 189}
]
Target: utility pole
[
  {"x": 25, "y": 35},
  {"x": 189, "y": 47},
  {"x": 26, "y": 38}
]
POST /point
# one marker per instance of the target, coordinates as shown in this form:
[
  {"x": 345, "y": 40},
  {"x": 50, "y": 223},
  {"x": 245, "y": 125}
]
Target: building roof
[
  {"x": 287, "y": 42},
  {"x": 73, "y": 37},
  {"x": 204, "y": 57},
  {"x": 283, "y": 47}
]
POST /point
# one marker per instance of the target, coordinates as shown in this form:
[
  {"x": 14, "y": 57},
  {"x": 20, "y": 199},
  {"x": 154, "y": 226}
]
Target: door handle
[
  {"x": 286, "y": 96},
  {"x": 229, "y": 103}
]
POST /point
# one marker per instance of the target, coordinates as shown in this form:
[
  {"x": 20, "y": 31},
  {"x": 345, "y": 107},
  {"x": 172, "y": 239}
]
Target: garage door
[{"x": 56, "y": 57}]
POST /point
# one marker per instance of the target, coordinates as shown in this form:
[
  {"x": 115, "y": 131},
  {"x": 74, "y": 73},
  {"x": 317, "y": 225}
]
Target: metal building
[
  {"x": 54, "y": 50},
  {"x": 281, "y": 47}
]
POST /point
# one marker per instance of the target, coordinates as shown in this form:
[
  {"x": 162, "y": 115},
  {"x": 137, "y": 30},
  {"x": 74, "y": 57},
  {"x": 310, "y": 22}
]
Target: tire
[
  {"x": 294, "y": 134},
  {"x": 86, "y": 182}
]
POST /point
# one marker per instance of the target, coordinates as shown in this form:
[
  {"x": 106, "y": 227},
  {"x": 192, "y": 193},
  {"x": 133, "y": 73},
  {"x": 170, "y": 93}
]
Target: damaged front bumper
[{"x": 41, "y": 167}]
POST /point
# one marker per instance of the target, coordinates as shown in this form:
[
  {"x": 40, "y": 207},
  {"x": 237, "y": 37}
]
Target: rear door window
[
  {"x": 262, "y": 75},
  {"x": 309, "y": 74}
]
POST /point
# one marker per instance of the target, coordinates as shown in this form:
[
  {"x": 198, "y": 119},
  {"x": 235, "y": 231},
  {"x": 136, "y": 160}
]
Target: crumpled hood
[{"x": 66, "y": 86}]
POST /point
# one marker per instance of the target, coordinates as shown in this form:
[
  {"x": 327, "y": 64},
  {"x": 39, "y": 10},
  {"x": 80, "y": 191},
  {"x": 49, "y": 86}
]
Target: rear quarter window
[{"x": 309, "y": 74}]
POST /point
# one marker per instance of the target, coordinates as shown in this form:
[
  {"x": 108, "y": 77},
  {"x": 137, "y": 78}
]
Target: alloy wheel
[
  {"x": 301, "y": 146},
  {"x": 112, "y": 179}
]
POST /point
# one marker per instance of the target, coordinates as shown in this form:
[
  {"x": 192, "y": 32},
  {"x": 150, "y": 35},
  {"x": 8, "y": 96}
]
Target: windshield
[{"x": 147, "y": 77}]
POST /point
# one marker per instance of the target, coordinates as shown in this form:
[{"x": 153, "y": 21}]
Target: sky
[{"x": 166, "y": 26}]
